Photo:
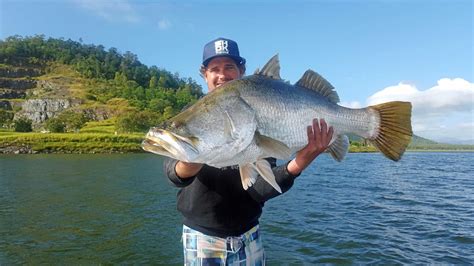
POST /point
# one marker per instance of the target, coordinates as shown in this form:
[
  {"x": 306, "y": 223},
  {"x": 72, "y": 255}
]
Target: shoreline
[
  {"x": 25, "y": 149},
  {"x": 110, "y": 143}
]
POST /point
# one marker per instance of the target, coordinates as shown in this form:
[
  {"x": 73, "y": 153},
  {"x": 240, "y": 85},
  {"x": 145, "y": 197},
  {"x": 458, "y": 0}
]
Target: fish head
[
  {"x": 218, "y": 125},
  {"x": 192, "y": 134},
  {"x": 177, "y": 143}
]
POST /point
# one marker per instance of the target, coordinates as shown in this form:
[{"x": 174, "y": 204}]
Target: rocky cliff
[
  {"x": 22, "y": 92},
  {"x": 39, "y": 110}
]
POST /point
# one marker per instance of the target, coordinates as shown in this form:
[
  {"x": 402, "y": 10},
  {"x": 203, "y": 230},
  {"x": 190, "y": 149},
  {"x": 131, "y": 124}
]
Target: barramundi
[{"x": 259, "y": 116}]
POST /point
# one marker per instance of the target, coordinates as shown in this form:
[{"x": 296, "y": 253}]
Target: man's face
[{"x": 221, "y": 70}]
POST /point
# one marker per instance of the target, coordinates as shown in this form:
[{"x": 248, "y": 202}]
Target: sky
[{"x": 371, "y": 51}]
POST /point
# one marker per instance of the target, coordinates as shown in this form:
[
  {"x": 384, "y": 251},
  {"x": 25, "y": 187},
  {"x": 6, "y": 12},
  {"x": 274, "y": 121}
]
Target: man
[{"x": 220, "y": 217}]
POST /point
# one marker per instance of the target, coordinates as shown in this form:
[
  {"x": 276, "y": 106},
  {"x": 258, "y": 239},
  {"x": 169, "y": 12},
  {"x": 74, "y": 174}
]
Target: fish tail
[{"x": 394, "y": 132}]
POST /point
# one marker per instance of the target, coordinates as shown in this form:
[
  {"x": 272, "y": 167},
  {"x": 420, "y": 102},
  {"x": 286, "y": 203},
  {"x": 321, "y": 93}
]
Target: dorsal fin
[
  {"x": 271, "y": 68},
  {"x": 313, "y": 81}
]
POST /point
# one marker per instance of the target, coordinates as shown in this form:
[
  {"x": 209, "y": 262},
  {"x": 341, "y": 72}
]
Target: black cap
[{"x": 222, "y": 47}]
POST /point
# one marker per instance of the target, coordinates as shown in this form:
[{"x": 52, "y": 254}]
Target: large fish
[{"x": 259, "y": 116}]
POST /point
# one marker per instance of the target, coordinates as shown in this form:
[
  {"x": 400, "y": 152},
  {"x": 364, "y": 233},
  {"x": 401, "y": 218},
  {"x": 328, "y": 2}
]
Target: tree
[
  {"x": 137, "y": 121},
  {"x": 153, "y": 82},
  {"x": 23, "y": 125},
  {"x": 5, "y": 117},
  {"x": 158, "y": 105},
  {"x": 55, "y": 125},
  {"x": 66, "y": 121},
  {"x": 168, "y": 112},
  {"x": 73, "y": 121}
]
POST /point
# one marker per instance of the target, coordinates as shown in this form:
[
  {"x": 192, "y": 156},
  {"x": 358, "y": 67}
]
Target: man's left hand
[{"x": 319, "y": 137}]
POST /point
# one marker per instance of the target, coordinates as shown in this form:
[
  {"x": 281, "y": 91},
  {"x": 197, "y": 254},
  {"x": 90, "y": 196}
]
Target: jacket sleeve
[
  {"x": 262, "y": 191},
  {"x": 169, "y": 165}
]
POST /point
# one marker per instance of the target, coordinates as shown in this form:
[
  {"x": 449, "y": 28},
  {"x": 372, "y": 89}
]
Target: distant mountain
[
  {"x": 459, "y": 142},
  {"x": 420, "y": 143},
  {"x": 417, "y": 140}
]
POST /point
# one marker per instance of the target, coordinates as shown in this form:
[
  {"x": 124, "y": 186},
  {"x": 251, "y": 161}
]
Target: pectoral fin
[
  {"x": 272, "y": 147},
  {"x": 265, "y": 170},
  {"x": 249, "y": 173}
]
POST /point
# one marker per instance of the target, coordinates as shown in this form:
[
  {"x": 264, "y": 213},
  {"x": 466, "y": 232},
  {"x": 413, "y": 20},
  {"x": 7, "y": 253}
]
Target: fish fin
[
  {"x": 338, "y": 149},
  {"x": 394, "y": 132},
  {"x": 248, "y": 175},
  {"x": 265, "y": 170},
  {"x": 272, "y": 147},
  {"x": 271, "y": 68},
  {"x": 313, "y": 81}
]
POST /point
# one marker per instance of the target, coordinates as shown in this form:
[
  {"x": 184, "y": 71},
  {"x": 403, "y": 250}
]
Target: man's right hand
[{"x": 186, "y": 170}]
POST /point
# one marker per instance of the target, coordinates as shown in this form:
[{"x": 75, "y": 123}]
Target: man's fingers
[
  {"x": 323, "y": 132},
  {"x": 324, "y": 126},
  {"x": 319, "y": 132},
  {"x": 316, "y": 127},
  {"x": 310, "y": 133}
]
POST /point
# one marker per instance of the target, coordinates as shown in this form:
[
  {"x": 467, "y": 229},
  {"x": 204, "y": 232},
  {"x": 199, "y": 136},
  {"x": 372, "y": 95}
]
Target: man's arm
[
  {"x": 181, "y": 173},
  {"x": 319, "y": 137}
]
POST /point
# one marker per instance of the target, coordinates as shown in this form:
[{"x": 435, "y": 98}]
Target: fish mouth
[{"x": 166, "y": 143}]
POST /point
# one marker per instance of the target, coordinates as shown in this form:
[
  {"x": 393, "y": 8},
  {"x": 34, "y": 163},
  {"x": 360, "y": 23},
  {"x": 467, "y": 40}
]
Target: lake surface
[{"x": 109, "y": 209}]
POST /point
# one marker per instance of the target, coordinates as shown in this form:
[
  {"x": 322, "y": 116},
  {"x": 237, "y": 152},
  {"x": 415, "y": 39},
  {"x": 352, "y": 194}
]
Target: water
[{"x": 109, "y": 209}]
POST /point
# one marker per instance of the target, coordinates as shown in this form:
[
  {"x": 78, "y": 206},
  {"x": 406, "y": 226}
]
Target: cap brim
[{"x": 238, "y": 60}]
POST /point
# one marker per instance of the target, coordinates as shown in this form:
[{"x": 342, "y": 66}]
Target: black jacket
[{"x": 215, "y": 203}]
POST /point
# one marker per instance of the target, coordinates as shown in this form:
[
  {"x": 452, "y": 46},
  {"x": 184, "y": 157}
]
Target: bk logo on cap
[{"x": 221, "y": 47}]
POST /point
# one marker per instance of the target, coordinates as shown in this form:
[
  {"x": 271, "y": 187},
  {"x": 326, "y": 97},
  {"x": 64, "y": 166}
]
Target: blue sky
[{"x": 371, "y": 51}]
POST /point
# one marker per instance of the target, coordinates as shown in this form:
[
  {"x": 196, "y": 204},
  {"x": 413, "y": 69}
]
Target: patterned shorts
[{"x": 201, "y": 249}]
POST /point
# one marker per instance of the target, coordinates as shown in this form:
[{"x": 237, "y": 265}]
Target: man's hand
[
  {"x": 186, "y": 170},
  {"x": 318, "y": 141}
]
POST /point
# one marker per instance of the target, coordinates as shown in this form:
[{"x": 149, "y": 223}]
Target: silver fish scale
[
  {"x": 284, "y": 111},
  {"x": 222, "y": 125}
]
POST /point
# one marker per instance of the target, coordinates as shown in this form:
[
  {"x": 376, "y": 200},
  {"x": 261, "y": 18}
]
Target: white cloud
[
  {"x": 443, "y": 113},
  {"x": 353, "y": 104},
  {"x": 111, "y": 10},
  {"x": 164, "y": 24}
]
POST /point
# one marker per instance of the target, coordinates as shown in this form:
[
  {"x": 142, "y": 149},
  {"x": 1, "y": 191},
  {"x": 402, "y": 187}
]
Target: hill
[
  {"x": 40, "y": 78},
  {"x": 417, "y": 144},
  {"x": 58, "y": 86}
]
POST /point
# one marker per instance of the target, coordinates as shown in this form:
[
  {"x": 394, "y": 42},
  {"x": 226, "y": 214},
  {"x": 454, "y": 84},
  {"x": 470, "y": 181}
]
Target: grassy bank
[
  {"x": 95, "y": 137},
  {"x": 100, "y": 137},
  {"x": 87, "y": 141},
  {"x": 72, "y": 142}
]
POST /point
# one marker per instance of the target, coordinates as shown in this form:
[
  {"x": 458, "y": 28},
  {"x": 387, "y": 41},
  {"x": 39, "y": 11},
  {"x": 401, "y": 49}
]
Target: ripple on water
[{"x": 120, "y": 210}]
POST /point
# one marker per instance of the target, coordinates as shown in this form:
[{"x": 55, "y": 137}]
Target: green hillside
[
  {"x": 419, "y": 143},
  {"x": 64, "y": 86}
]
